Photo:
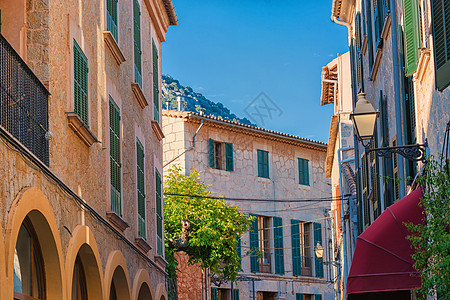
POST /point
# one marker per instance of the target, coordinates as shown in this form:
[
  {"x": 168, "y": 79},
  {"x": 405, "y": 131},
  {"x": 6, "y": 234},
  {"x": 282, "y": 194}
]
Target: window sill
[
  {"x": 160, "y": 261},
  {"x": 112, "y": 45},
  {"x": 117, "y": 220},
  {"x": 80, "y": 129},
  {"x": 263, "y": 179},
  {"x": 364, "y": 45},
  {"x": 423, "y": 64},
  {"x": 137, "y": 91},
  {"x": 377, "y": 61},
  {"x": 142, "y": 244},
  {"x": 157, "y": 130},
  {"x": 386, "y": 27}
]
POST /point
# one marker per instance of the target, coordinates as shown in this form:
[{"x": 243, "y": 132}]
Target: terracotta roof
[{"x": 248, "y": 129}]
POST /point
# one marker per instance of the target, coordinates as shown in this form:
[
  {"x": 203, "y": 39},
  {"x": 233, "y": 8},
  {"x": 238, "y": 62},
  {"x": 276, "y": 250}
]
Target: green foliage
[
  {"x": 431, "y": 241},
  {"x": 206, "y": 229}
]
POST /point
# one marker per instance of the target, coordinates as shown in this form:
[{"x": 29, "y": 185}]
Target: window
[
  {"x": 318, "y": 240},
  {"x": 296, "y": 250},
  {"x": 159, "y": 215},
  {"x": 235, "y": 294},
  {"x": 369, "y": 34},
  {"x": 365, "y": 188},
  {"x": 155, "y": 83},
  {"x": 28, "y": 265},
  {"x": 263, "y": 163},
  {"x": 79, "y": 290},
  {"x": 278, "y": 244},
  {"x": 303, "y": 171},
  {"x": 137, "y": 43},
  {"x": 80, "y": 81},
  {"x": 220, "y": 155},
  {"x": 140, "y": 188},
  {"x": 111, "y": 17},
  {"x": 412, "y": 42},
  {"x": 306, "y": 248},
  {"x": 441, "y": 32},
  {"x": 374, "y": 178},
  {"x": 254, "y": 245},
  {"x": 264, "y": 244},
  {"x": 114, "y": 157}
]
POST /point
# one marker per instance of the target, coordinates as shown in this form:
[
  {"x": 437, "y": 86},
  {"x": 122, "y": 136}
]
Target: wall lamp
[{"x": 364, "y": 119}]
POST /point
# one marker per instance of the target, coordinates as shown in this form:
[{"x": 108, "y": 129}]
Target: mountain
[{"x": 171, "y": 88}]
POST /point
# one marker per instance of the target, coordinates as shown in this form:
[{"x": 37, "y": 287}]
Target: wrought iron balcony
[{"x": 23, "y": 102}]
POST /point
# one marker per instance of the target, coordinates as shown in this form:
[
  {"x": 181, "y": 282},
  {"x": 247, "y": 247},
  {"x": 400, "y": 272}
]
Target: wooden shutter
[
  {"x": 229, "y": 157},
  {"x": 80, "y": 83},
  {"x": 369, "y": 34},
  {"x": 263, "y": 163},
  {"x": 278, "y": 243},
  {"x": 137, "y": 43},
  {"x": 296, "y": 250},
  {"x": 388, "y": 184},
  {"x": 374, "y": 177},
  {"x": 299, "y": 296},
  {"x": 111, "y": 17},
  {"x": 411, "y": 23},
  {"x": 114, "y": 151},
  {"x": 365, "y": 189},
  {"x": 159, "y": 214},
  {"x": 254, "y": 245},
  {"x": 395, "y": 170},
  {"x": 440, "y": 10},
  {"x": 141, "y": 189},
  {"x": 303, "y": 171},
  {"x": 211, "y": 153},
  {"x": 235, "y": 294},
  {"x": 318, "y": 238},
  {"x": 317, "y": 297},
  {"x": 214, "y": 294},
  {"x": 155, "y": 82},
  {"x": 239, "y": 247}
]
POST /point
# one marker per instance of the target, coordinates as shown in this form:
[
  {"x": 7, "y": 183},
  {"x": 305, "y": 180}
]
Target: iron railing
[{"x": 23, "y": 102}]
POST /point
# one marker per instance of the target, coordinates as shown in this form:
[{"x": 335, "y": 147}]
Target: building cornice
[
  {"x": 246, "y": 129},
  {"x": 162, "y": 15},
  {"x": 343, "y": 10},
  {"x": 331, "y": 145}
]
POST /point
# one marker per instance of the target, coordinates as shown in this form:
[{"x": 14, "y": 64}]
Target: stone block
[
  {"x": 34, "y": 53},
  {"x": 41, "y": 37}
]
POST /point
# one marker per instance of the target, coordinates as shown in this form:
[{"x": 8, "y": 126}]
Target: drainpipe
[
  {"x": 348, "y": 25},
  {"x": 188, "y": 149},
  {"x": 344, "y": 234},
  {"x": 397, "y": 93}
]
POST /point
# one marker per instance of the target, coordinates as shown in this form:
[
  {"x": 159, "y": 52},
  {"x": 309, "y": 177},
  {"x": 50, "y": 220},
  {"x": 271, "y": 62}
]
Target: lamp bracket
[{"x": 411, "y": 152}]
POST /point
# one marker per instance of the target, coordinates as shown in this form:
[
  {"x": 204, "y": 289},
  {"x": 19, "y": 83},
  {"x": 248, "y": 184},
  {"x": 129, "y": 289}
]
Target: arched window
[
  {"x": 28, "y": 265},
  {"x": 79, "y": 291}
]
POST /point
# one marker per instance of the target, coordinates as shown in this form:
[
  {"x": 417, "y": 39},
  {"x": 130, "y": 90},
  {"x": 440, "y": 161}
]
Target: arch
[
  {"x": 140, "y": 280},
  {"x": 161, "y": 293},
  {"x": 83, "y": 243},
  {"x": 32, "y": 203},
  {"x": 116, "y": 268}
]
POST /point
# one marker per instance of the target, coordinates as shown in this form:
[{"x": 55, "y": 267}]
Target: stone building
[
  {"x": 340, "y": 164},
  {"x": 268, "y": 168},
  {"x": 81, "y": 149},
  {"x": 399, "y": 59}
]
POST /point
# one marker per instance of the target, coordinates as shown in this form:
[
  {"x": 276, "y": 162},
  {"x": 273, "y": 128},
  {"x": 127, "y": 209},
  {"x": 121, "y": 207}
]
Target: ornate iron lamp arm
[{"x": 411, "y": 152}]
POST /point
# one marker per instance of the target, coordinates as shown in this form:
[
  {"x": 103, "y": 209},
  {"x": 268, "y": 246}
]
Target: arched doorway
[
  {"x": 119, "y": 286},
  {"x": 144, "y": 293}
]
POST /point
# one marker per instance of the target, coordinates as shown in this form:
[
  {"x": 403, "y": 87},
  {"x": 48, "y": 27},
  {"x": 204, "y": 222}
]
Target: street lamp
[
  {"x": 364, "y": 119},
  {"x": 318, "y": 250}
]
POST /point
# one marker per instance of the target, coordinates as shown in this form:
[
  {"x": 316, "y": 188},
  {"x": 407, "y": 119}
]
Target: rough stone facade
[
  {"x": 44, "y": 35},
  {"x": 284, "y": 150}
]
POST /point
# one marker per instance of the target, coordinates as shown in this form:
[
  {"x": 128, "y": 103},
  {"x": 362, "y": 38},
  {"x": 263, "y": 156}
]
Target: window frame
[
  {"x": 263, "y": 163},
  {"x": 112, "y": 104},
  {"x": 80, "y": 85},
  {"x": 141, "y": 218},
  {"x": 110, "y": 18}
]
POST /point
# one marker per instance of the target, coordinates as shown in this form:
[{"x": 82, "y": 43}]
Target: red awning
[{"x": 382, "y": 259}]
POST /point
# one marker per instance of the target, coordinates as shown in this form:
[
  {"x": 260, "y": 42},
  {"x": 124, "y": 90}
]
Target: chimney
[
  {"x": 168, "y": 104},
  {"x": 180, "y": 101}
]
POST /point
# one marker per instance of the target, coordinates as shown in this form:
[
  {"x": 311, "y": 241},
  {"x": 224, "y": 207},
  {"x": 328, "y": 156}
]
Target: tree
[
  {"x": 204, "y": 227},
  {"x": 431, "y": 241}
]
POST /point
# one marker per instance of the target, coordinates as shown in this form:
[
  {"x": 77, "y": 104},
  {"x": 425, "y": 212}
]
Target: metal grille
[{"x": 23, "y": 102}]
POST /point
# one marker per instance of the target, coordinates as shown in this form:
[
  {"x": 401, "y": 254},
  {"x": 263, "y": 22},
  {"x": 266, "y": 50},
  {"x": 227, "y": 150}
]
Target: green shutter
[
  {"x": 318, "y": 238},
  {"x": 114, "y": 154},
  {"x": 111, "y": 17},
  {"x": 159, "y": 214},
  {"x": 374, "y": 178},
  {"x": 239, "y": 247},
  {"x": 317, "y": 297},
  {"x": 369, "y": 34},
  {"x": 229, "y": 156},
  {"x": 388, "y": 184},
  {"x": 299, "y": 296},
  {"x": 303, "y": 171},
  {"x": 411, "y": 23},
  {"x": 140, "y": 188},
  {"x": 80, "y": 80},
  {"x": 155, "y": 82},
  {"x": 263, "y": 163},
  {"x": 211, "y": 153},
  {"x": 278, "y": 243},
  {"x": 254, "y": 245},
  {"x": 214, "y": 294},
  {"x": 296, "y": 250},
  {"x": 441, "y": 35},
  {"x": 137, "y": 43},
  {"x": 235, "y": 294}
]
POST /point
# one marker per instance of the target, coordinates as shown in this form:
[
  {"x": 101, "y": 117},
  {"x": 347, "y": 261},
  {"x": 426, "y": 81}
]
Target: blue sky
[{"x": 232, "y": 50}]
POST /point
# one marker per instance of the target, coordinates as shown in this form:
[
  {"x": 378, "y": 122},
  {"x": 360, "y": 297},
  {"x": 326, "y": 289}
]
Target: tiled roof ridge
[{"x": 186, "y": 114}]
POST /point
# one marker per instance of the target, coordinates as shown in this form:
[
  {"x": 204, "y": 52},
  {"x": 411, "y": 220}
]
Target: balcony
[{"x": 23, "y": 102}]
